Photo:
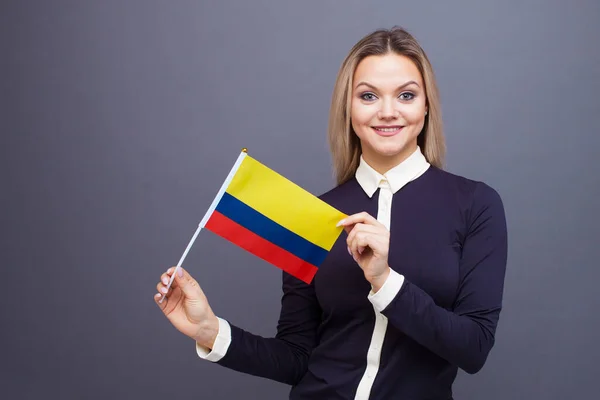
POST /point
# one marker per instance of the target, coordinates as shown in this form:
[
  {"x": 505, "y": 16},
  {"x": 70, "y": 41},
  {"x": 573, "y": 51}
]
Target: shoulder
[
  {"x": 480, "y": 204},
  {"x": 346, "y": 190},
  {"x": 466, "y": 190},
  {"x": 346, "y": 196}
]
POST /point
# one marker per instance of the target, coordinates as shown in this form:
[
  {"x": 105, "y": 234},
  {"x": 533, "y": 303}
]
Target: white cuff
[
  {"x": 221, "y": 345},
  {"x": 387, "y": 292}
]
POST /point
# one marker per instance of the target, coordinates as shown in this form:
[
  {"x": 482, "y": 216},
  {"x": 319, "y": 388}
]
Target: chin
[{"x": 392, "y": 150}]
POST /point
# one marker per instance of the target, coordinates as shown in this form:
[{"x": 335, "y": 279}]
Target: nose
[{"x": 388, "y": 110}]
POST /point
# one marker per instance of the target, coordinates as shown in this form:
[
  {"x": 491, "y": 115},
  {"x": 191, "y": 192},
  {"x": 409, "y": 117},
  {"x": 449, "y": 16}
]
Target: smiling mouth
[{"x": 387, "y": 130}]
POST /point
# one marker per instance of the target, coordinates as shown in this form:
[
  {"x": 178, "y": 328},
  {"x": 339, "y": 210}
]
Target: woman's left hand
[{"x": 368, "y": 242}]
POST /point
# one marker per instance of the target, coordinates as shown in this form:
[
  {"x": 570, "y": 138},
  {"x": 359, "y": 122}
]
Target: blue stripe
[{"x": 268, "y": 229}]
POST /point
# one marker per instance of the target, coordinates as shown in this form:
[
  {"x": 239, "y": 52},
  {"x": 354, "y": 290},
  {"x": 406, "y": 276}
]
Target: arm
[
  {"x": 465, "y": 335},
  {"x": 283, "y": 358}
]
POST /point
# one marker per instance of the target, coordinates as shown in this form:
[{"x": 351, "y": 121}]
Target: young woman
[{"x": 413, "y": 291}]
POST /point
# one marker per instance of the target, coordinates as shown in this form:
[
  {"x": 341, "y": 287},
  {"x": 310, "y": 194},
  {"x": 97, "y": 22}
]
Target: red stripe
[{"x": 248, "y": 240}]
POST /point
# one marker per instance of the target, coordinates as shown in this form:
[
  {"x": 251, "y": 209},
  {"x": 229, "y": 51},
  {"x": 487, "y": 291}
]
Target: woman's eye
[
  {"x": 368, "y": 96},
  {"x": 406, "y": 96}
]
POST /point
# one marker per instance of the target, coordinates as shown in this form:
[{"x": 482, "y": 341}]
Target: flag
[{"x": 271, "y": 217}]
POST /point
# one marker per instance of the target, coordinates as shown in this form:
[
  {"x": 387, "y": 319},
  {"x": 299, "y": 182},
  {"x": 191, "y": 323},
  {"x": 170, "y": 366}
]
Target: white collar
[{"x": 411, "y": 168}]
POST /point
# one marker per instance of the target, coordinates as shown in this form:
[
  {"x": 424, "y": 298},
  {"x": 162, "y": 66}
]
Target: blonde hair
[{"x": 343, "y": 143}]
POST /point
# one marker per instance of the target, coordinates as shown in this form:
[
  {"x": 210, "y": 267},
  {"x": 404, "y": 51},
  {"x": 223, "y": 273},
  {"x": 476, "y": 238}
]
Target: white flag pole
[{"x": 209, "y": 212}]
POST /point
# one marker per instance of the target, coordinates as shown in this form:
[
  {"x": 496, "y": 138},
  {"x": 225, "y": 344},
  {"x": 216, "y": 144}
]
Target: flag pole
[{"x": 209, "y": 212}]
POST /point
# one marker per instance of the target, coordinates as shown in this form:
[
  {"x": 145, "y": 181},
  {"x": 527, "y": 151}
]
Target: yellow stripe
[{"x": 286, "y": 203}]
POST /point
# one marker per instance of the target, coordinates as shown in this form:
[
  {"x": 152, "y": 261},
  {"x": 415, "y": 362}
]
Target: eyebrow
[{"x": 398, "y": 88}]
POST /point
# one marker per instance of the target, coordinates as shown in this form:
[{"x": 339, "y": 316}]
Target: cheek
[
  {"x": 414, "y": 115},
  {"x": 361, "y": 114}
]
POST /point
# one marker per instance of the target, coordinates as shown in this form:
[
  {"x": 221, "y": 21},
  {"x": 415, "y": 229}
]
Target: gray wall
[{"x": 120, "y": 119}]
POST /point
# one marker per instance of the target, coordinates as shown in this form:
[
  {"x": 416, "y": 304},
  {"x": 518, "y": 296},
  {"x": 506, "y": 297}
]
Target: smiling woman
[
  {"x": 413, "y": 292},
  {"x": 385, "y": 82},
  {"x": 388, "y": 109}
]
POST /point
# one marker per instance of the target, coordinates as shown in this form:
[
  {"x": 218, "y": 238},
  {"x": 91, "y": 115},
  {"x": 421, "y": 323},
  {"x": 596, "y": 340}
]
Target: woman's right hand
[{"x": 187, "y": 308}]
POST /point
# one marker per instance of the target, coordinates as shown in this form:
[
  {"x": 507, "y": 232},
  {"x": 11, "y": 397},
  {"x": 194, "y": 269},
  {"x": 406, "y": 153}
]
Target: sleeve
[
  {"x": 387, "y": 292},
  {"x": 463, "y": 335},
  {"x": 283, "y": 358},
  {"x": 220, "y": 346}
]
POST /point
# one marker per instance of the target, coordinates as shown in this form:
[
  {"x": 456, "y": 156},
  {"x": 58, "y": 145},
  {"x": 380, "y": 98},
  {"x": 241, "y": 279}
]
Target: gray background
[{"x": 120, "y": 120}]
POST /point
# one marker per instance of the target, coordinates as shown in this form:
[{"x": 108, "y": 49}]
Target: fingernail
[
  {"x": 164, "y": 290},
  {"x": 180, "y": 273},
  {"x": 349, "y": 252},
  {"x": 165, "y": 280},
  {"x": 340, "y": 223}
]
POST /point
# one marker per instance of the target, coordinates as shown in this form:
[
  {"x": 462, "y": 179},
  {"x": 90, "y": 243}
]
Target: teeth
[{"x": 387, "y": 129}]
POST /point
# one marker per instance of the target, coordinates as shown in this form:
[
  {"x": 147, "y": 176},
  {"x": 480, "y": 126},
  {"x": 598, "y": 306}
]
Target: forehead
[{"x": 389, "y": 69}]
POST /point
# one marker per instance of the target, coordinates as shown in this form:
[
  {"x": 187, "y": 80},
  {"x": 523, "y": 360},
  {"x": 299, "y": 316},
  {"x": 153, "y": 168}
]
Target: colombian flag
[{"x": 273, "y": 218}]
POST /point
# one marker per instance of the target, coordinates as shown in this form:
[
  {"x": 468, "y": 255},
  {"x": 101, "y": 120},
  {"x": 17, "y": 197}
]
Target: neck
[{"x": 383, "y": 164}]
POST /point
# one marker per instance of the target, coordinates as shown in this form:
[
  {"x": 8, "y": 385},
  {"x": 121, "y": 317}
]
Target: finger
[
  {"x": 188, "y": 285},
  {"x": 352, "y": 245},
  {"x": 361, "y": 227},
  {"x": 349, "y": 228},
  {"x": 361, "y": 241},
  {"x": 365, "y": 241},
  {"x": 167, "y": 278},
  {"x": 169, "y": 273},
  {"x": 378, "y": 244},
  {"x": 363, "y": 217},
  {"x": 349, "y": 242},
  {"x": 371, "y": 225},
  {"x": 379, "y": 231},
  {"x": 364, "y": 229},
  {"x": 162, "y": 288},
  {"x": 160, "y": 305}
]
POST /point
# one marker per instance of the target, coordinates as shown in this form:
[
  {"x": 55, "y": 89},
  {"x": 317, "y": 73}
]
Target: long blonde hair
[{"x": 343, "y": 143}]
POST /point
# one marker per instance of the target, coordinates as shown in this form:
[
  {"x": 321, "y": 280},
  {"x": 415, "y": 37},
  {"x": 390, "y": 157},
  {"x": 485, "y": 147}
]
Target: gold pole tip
[{"x": 245, "y": 150}]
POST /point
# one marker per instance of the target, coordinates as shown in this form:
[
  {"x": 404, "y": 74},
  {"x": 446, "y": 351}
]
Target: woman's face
[{"x": 387, "y": 109}]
